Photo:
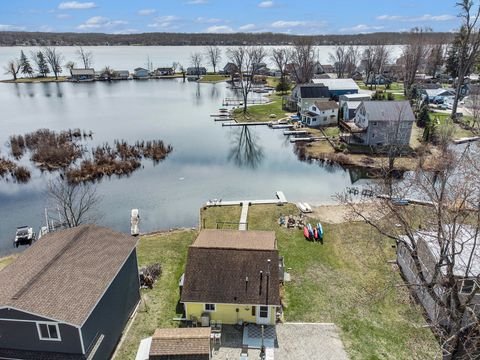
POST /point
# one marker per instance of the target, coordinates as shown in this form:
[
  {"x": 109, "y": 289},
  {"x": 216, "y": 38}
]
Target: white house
[{"x": 321, "y": 113}]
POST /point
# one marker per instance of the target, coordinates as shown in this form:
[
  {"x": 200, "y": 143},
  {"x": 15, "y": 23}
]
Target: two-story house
[
  {"x": 381, "y": 123},
  {"x": 305, "y": 95},
  {"x": 232, "y": 276},
  {"x": 321, "y": 113}
]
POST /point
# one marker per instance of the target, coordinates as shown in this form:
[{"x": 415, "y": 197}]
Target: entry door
[{"x": 263, "y": 315}]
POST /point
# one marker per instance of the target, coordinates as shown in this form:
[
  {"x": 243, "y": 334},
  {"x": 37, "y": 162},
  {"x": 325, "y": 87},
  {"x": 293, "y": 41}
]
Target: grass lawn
[
  {"x": 346, "y": 281},
  {"x": 158, "y": 307},
  {"x": 6, "y": 260},
  {"x": 37, "y": 79},
  {"x": 211, "y": 216},
  {"x": 213, "y": 78},
  {"x": 262, "y": 112},
  {"x": 459, "y": 131}
]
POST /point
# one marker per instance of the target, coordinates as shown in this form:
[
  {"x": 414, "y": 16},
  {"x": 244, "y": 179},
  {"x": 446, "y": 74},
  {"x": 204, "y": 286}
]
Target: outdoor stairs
[{"x": 243, "y": 217}]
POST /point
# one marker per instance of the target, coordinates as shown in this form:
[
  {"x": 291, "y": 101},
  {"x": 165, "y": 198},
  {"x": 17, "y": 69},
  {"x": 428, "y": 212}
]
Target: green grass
[
  {"x": 158, "y": 306},
  {"x": 346, "y": 281},
  {"x": 211, "y": 216},
  {"x": 37, "y": 79},
  {"x": 262, "y": 112},
  {"x": 459, "y": 131},
  {"x": 213, "y": 78},
  {"x": 6, "y": 260}
]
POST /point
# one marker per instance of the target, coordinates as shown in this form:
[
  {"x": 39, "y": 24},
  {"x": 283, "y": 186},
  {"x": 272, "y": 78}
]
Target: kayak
[
  {"x": 315, "y": 233},
  {"x": 310, "y": 231},
  {"x": 306, "y": 233},
  {"x": 320, "y": 230}
]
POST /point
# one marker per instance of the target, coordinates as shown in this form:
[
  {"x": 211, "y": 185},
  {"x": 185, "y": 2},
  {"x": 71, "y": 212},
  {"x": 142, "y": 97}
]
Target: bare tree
[
  {"x": 436, "y": 59},
  {"x": 469, "y": 41},
  {"x": 303, "y": 60},
  {"x": 76, "y": 203},
  {"x": 353, "y": 58},
  {"x": 281, "y": 58},
  {"x": 438, "y": 245},
  {"x": 85, "y": 57},
  {"x": 414, "y": 56},
  {"x": 214, "y": 55},
  {"x": 248, "y": 61},
  {"x": 369, "y": 61},
  {"x": 54, "y": 59},
  {"x": 382, "y": 57},
  {"x": 339, "y": 59},
  {"x": 12, "y": 68},
  {"x": 196, "y": 60},
  {"x": 175, "y": 66}
]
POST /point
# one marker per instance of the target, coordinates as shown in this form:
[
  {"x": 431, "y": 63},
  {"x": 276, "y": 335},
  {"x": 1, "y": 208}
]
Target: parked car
[{"x": 24, "y": 236}]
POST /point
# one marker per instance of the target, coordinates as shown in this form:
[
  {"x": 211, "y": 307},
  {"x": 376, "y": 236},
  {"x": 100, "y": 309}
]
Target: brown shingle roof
[
  {"x": 326, "y": 105},
  {"x": 218, "y": 275},
  {"x": 180, "y": 341},
  {"x": 234, "y": 239},
  {"x": 63, "y": 275}
]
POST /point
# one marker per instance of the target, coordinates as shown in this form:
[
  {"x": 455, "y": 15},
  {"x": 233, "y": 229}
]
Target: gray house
[
  {"x": 379, "y": 123},
  {"x": 69, "y": 295},
  {"x": 467, "y": 252},
  {"x": 305, "y": 95}
]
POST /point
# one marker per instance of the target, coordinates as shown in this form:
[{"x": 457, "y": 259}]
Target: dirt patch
[{"x": 338, "y": 214}]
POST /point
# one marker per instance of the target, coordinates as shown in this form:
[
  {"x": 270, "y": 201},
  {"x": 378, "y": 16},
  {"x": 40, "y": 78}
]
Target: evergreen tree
[
  {"x": 423, "y": 117},
  {"x": 42, "y": 64},
  {"x": 453, "y": 54},
  {"x": 25, "y": 67}
]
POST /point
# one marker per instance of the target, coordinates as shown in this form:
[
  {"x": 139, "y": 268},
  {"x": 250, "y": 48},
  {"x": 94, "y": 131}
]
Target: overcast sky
[{"x": 224, "y": 16}]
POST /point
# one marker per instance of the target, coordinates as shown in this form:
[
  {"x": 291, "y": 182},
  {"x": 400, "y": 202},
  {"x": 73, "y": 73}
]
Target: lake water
[{"x": 207, "y": 161}]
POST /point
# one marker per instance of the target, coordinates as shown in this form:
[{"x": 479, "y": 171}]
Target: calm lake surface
[{"x": 208, "y": 161}]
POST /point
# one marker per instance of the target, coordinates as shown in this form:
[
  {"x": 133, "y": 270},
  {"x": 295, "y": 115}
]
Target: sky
[{"x": 226, "y": 16}]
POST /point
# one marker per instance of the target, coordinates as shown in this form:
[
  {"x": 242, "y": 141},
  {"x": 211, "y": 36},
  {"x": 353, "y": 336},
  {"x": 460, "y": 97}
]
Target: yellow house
[{"x": 232, "y": 276}]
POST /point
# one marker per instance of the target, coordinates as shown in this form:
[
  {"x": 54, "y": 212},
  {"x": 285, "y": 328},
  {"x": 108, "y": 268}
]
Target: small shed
[
  {"x": 181, "y": 344},
  {"x": 141, "y": 73},
  {"x": 82, "y": 74}
]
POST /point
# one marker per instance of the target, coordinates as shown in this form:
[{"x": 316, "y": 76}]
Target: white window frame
[
  {"x": 463, "y": 284},
  {"x": 208, "y": 310},
  {"x": 38, "y": 323}
]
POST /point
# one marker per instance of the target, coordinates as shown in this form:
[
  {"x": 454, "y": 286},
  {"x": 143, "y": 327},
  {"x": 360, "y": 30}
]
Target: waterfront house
[
  {"x": 197, "y": 71},
  {"x": 305, "y": 95},
  {"x": 467, "y": 251},
  {"x": 177, "y": 344},
  {"x": 120, "y": 75},
  {"x": 164, "y": 71},
  {"x": 232, "y": 276},
  {"x": 141, "y": 73},
  {"x": 230, "y": 69},
  {"x": 82, "y": 74},
  {"x": 349, "y": 104},
  {"x": 437, "y": 95},
  {"x": 321, "y": 113},
  {"x": 337, "y": 87},
  {"x": 380, "y": 123},
  {"x": 69, "y": 295}
]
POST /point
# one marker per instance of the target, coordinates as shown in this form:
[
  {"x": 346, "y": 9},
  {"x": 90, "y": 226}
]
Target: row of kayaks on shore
[{"x": 313, "y": 232}]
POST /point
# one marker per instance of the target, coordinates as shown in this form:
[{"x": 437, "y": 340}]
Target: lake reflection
[{"x": 208, "y": 160}]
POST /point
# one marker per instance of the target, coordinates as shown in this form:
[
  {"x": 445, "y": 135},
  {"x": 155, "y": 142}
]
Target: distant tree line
[{"x": 13, "y": 38}]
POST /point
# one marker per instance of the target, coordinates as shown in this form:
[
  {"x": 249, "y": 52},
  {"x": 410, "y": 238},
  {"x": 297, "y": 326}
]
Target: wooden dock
[
  {"x": 307, "y": 139},
  {"x": 295, "y": 132},
  {"x": 224, "y": 119},
  {"x": 237, "y": 102},
  {"x": 246, "y": 124}
]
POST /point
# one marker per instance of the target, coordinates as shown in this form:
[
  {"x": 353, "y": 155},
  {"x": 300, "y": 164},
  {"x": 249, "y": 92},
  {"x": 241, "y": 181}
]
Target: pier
[
  {"x": 280, "y": 200},
  {"x": 259, "y": 123}
]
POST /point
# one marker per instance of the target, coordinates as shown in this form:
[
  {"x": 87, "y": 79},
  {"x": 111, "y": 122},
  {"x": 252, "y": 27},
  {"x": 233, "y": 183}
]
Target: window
[
  {"x": 314, "y": 108},
  {"x": 254, "y": 310},
  {"x": 48, "y": 331},
  {"x": 467, "y": 286},
  {"x": 263, "y": 312},
  {"x": 209, "y": 307}
]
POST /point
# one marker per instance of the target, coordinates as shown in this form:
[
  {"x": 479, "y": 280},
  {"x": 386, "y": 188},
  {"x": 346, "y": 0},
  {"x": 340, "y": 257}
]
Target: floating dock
[
  {"x": 246, "y": 124},
  {"x": 307, "y": 139}
]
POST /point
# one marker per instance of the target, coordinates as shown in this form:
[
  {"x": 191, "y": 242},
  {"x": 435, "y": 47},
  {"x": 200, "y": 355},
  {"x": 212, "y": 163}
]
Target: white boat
[
  {"x": 304, "y": 207},
  {"x": 134, "y": 220}
]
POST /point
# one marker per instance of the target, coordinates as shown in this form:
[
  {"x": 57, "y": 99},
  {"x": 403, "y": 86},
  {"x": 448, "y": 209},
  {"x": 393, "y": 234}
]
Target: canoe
[
  {"x": 320, "y": 230},
  {"x": 306, "y": 233},
  {"x": 310, "y": 230}
]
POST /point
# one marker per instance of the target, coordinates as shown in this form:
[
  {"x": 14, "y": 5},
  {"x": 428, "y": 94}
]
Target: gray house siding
[
  {"x": 380, "y": 133},
  {"x": 112, "y": 312},
  {"x": 23, "y": 335}
]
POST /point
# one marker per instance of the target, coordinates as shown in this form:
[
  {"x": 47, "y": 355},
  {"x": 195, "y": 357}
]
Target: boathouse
[{"x": 69, "y": 295}]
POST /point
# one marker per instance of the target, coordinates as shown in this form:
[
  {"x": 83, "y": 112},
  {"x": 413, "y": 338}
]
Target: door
[{"x": 263, "y": 315}]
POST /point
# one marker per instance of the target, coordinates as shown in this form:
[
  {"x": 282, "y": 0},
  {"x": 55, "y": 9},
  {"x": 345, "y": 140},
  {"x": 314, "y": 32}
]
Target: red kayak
[
  {"x": 306, "y": 233},
  {"x": 315, "y": 233}
]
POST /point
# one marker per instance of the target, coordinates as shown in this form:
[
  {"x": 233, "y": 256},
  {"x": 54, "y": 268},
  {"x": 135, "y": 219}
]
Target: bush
[{"x": 390, "y": 97}]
